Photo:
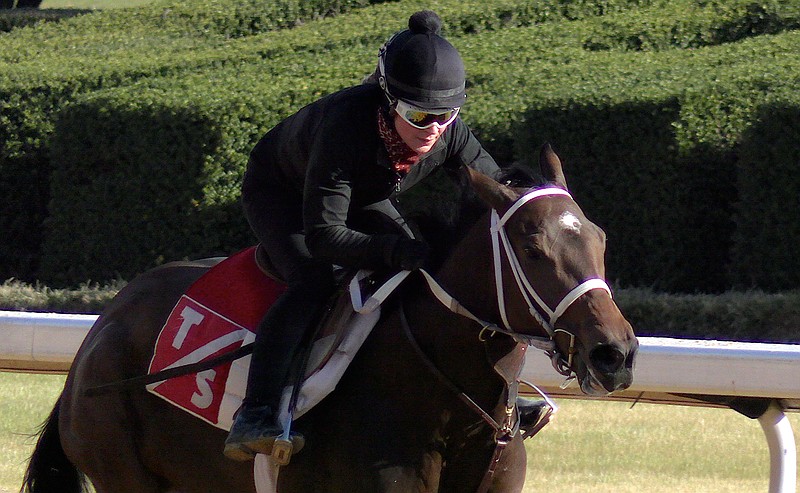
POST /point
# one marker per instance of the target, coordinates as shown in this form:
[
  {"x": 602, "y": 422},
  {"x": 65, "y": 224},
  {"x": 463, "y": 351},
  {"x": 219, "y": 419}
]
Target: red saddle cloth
[{"x": 216, "y": 315}]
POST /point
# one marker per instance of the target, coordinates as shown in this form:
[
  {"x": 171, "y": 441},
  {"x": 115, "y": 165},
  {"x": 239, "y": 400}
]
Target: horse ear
[
  {"x": 498, "y": 196},
  {"x": 550, "y": 164}
]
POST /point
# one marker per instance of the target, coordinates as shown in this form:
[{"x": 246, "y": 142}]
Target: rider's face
[{"x": 420, "y": 140}]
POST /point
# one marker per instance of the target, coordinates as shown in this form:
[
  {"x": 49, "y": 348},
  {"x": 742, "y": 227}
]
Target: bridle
[
  {"x": 542, "y": 313},
  {"x": 545, "y": 316}
]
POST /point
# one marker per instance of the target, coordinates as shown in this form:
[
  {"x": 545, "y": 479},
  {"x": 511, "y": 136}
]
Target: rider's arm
[{"x": 326, "y": 204}]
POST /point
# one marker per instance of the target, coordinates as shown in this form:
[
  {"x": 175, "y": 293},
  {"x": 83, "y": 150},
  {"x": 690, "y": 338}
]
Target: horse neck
[
  {"x": 468, "y": 272},
  {"x": 453, "y": 341}
]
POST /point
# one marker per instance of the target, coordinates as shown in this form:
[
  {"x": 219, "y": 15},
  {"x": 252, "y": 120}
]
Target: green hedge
[
  {"x": 157, "y": 169},
  {"x": 17, "y": 18},
  {"x": 651, "y": 141},
  {"x": 652, "y": 133},
  {"x": 661, "y": 173},
  {"x": 766, "y": 241},
  {"x": 691, "y": 25},
  {"x": 651, "y": 104},
  {"x": 734, "y": 316},
  {"x": 44, "y": 68},
  {"x": 121, "y": 201}
]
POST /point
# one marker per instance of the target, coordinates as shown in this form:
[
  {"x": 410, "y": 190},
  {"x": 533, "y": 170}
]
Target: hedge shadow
[
  {"x": 766, "y": 252},
  {"x": 152, "y": 201},
  {"x": 666, "y": 211}
]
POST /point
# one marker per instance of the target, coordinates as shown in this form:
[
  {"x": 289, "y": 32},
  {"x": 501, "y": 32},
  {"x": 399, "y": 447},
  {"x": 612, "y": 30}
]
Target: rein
[
  {"x": 501, "y": 430},
  {"x": 167, "y": 373},
  {"x": 509, "y": 369}
]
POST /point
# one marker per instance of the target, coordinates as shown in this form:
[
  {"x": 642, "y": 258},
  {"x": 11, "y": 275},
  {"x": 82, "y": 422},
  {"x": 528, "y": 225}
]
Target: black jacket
[{"x": 327, "y": 160}]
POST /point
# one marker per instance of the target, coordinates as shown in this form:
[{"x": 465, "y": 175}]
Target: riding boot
[
  {"x": 278, "y": 340},
  {"x": 531, "y": 412}
]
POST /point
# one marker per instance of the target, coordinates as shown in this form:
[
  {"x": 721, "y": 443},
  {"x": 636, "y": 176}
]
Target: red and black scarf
[{"x": 401, "y": 156}]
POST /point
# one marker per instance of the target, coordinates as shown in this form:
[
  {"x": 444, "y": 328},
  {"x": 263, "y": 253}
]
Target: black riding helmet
[{"x": 420, "y": 67}]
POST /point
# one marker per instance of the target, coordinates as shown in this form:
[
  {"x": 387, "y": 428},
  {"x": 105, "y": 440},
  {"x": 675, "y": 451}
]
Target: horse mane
[{"x": 520, "y": 176}]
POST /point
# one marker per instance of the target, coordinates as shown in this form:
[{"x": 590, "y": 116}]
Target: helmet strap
[{"x": 382, "y": 68}]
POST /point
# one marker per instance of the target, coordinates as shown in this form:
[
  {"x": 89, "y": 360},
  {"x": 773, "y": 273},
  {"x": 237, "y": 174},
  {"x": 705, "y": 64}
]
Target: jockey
[{"x": 309, "y": 175}]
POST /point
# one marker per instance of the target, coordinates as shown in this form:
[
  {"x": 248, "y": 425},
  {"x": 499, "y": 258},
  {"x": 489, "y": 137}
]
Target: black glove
[{"x": 409, "y": 254}]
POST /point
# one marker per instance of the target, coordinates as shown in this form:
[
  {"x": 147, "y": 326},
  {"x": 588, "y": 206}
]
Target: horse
[{"x": 422, "y": 407}]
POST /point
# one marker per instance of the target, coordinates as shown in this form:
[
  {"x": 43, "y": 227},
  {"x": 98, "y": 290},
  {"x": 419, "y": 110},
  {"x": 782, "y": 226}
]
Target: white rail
[
  {"x": 668, "y": 371},
  {"x": 671, "y": 371},
  {"x": 41, "y": 342}
]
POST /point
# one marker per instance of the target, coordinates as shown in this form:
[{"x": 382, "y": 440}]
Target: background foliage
[{"x": 124, "y": 133}]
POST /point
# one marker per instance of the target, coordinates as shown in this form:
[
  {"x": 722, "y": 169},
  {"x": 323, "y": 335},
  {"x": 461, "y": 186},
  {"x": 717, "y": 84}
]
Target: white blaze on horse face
[{"x": 570, "y": 221}]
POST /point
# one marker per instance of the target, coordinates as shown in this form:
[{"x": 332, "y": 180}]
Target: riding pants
[{"x": 291, "y": 319}]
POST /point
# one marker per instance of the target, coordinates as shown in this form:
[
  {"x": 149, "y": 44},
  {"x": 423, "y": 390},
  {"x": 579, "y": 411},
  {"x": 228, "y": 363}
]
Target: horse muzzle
[{"x": 606, "y": 368}]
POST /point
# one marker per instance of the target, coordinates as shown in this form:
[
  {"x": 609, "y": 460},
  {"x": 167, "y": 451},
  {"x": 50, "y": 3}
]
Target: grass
[
  {"x": 591, "y": 446},
  {"x": 609, "y": 447},
  {"x": 27, "y": 401}
]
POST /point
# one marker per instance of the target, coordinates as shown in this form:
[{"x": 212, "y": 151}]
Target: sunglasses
[{"x": 420, "y": 118}]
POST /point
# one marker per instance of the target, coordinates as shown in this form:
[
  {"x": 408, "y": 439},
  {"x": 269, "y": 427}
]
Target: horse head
[{"x": 550, "y": 279}]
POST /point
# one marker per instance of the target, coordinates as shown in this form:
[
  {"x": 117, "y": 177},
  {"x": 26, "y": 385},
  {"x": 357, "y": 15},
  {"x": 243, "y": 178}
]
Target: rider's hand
[{"x": 409, "y": 254}]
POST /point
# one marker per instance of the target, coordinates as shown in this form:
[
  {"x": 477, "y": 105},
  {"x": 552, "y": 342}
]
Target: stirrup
[
  {"x": 282, "y": 450},
  {"x": 254, "y": 432},
  {"x": 279, "y": 448},
  {"x": 288, "y": 443}
]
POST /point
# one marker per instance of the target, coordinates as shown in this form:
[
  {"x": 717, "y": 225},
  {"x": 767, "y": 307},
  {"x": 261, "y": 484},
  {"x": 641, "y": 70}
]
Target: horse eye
[{"x": 532, "y": 252}]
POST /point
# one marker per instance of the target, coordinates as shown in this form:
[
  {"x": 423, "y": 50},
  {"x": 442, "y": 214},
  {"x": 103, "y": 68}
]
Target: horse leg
[
  {"x": 511, "y": 470},
  {"x": 466, "y": 471}
]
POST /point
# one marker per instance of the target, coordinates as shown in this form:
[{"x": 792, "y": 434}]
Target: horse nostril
[
  {"x": 629, "y": 360},
  {"x": 607, "y": 358}
]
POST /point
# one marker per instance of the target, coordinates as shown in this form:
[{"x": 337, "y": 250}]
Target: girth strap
[{"x": 486, "y": 482}]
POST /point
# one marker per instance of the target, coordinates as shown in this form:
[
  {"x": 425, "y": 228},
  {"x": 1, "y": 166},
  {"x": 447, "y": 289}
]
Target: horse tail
[{"x": 49, "y": 469}]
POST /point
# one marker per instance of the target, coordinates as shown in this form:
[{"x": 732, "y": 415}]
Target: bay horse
[{"x": 419, "y": 406}]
